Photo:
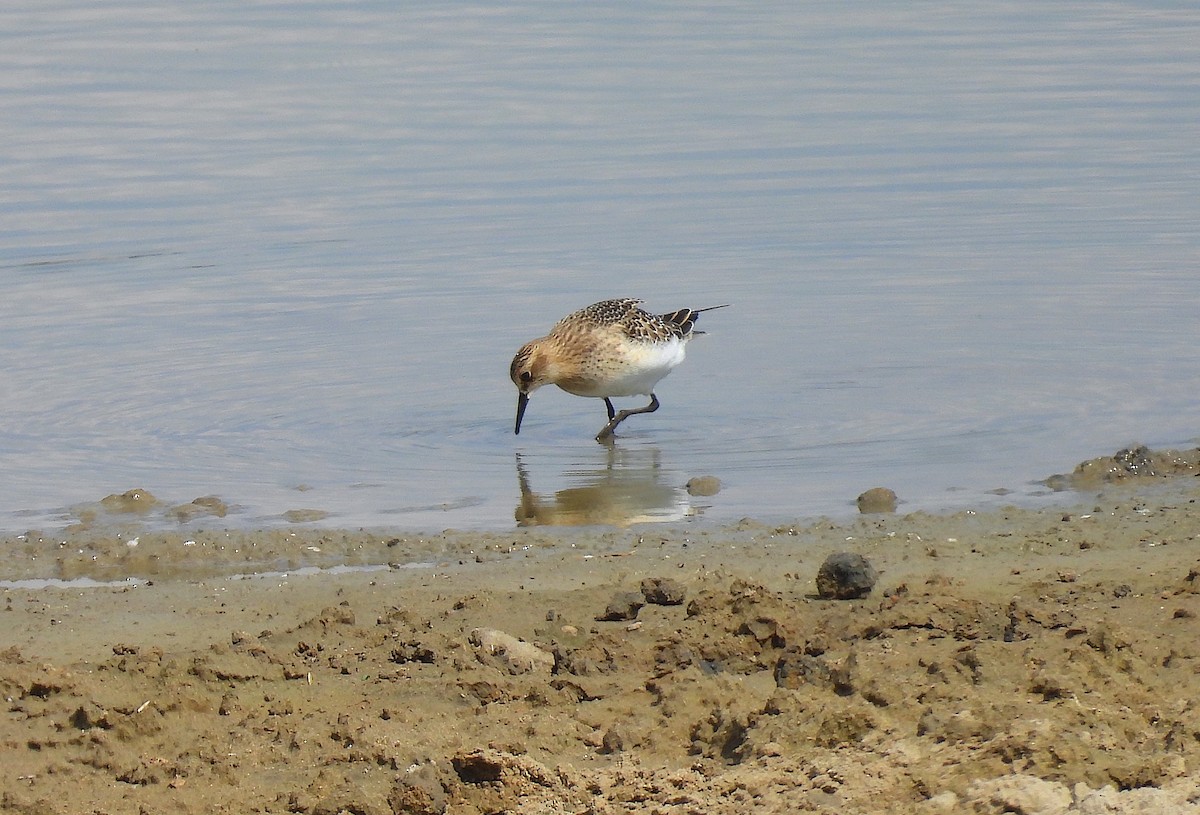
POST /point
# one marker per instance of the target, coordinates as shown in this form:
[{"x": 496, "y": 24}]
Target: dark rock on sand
[{"x": 845, "y": 576}]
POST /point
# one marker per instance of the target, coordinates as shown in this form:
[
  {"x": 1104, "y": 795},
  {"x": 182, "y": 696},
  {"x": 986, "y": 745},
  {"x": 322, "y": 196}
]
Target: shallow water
[{"x": 283, "y": 252}]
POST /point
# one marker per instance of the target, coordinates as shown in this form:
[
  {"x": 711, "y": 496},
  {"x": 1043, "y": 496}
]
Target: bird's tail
[{"x": 686, "y": 318}]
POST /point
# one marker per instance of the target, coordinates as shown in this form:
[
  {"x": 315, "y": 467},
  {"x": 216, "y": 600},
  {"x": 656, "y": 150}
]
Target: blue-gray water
[{"x": 251, "y": 247}]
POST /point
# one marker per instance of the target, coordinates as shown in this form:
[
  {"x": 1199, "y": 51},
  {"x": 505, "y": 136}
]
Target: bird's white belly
[{"x": 641, "y": 366}]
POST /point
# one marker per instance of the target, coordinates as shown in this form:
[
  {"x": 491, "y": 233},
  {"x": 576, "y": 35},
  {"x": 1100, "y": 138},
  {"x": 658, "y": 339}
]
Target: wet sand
[{"x": 1037, "y": 661}]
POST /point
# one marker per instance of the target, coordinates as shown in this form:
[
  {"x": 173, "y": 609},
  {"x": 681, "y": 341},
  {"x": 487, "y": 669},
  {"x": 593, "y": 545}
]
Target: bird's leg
[
  {"x": 615, "y": 420},
  {"x": 611, "y": 410}
]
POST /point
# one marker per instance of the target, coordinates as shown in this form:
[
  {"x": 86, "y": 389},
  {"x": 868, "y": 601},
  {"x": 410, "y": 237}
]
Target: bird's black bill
[{"x": 522, "y": 403}]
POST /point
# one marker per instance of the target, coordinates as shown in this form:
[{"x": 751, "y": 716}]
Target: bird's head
[
  {"x": 529, "y": 371},
  {"x": 530, "y": 368}
]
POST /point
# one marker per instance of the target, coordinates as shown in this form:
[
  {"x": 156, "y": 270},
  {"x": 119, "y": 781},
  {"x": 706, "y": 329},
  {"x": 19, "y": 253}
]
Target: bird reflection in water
[{"x": 628, "y": 489}]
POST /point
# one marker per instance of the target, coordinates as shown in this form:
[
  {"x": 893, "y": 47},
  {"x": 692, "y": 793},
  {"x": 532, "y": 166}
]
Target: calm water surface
[{"x": 283, "y": 252}]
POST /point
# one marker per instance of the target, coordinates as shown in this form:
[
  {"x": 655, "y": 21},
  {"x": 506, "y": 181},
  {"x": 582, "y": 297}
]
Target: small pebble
[{"x": 877, "y": 499}]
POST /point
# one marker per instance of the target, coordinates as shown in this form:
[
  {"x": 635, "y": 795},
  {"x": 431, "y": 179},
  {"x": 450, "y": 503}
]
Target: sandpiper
[{"x": 611, "y": 348}]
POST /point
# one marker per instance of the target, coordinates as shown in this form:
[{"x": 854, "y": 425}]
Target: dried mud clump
[
  {"x": 208, "y": 506},
  {"x": 131, "y": 501},
  {"x": 663, "y": 591},
  {"x": 624, "y": 606},
  {"x": 304, "y": 516},
  {"x": 1130, "y": 464}
]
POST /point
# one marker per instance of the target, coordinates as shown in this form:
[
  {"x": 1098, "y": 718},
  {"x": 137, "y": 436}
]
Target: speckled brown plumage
[{"x": 633, "y": 321}]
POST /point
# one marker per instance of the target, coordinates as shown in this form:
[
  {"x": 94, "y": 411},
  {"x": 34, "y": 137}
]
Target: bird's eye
[{"x": 526, "y": 376}]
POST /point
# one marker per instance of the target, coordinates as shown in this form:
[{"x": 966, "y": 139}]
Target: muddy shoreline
[{"x": 1041, "y": 661}]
